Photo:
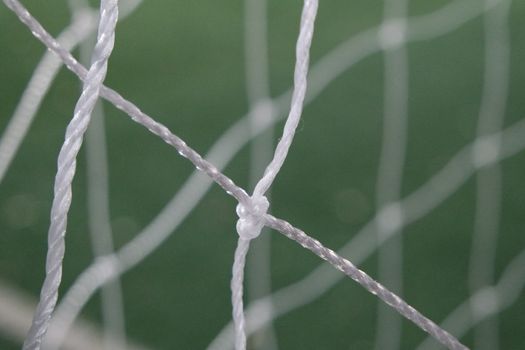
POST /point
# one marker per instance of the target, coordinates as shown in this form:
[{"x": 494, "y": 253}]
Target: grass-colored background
[{"x": 182, "y": 62}]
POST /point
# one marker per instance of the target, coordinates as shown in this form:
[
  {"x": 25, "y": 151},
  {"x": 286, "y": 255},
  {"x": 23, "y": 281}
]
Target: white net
[{"x": 465, "y": 266}]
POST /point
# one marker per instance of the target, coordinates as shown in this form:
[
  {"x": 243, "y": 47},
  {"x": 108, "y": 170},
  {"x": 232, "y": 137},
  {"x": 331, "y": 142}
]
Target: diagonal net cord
[
  {"x": 250, "y": 221},
  {"x": 364, "y": 280},
  {"x": 66, "y": 171},
  {"x": 238, "y": 193}
]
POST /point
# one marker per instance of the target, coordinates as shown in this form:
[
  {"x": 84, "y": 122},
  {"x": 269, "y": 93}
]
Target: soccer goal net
[{"x": 262, "y": 174}]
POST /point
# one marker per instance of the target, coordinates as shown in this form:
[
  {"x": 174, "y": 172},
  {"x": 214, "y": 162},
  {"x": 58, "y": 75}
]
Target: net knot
[{"x": 251, "y": 217}]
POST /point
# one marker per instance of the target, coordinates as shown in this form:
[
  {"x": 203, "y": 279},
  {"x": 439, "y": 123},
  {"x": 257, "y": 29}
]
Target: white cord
[
  {"x": 66, "y": 171},
  {"x": 302, "y": 53},
  {"x": 251, "y": 214}
]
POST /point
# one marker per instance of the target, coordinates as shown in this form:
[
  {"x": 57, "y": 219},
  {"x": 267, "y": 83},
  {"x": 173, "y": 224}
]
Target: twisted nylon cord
[
  {"x": 229, "y": 186},
  {"x": 364, "y": 280},
  {"x": 302, "y": 53},
  {"x": 251, "y": 214},
  {"x": 239, "y": 322},
  {"x": 66, "y": 171}
]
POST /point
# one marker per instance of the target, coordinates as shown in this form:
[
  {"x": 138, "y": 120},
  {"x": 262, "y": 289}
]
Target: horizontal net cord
[
  {"x": 66, "y": 171},
  {"x": 220, "y": 178}
]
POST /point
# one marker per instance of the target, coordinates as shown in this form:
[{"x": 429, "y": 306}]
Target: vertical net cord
[
  {"x": 512, "y": 144},
  {"x": 249, "y": 225},
  {"x": 66, "y": 171},
  {"x": 237, "y": 292},
  {"x": 129, "y": 108},
  {"x": 258, "y": 268},
  {"x": 302, "y": 53},
  {"x": 390, "y": 170},
  {"x": 328, "y": 68},
  {"x": 99, "y": 219},
  {"x": 489, "y": 179}
]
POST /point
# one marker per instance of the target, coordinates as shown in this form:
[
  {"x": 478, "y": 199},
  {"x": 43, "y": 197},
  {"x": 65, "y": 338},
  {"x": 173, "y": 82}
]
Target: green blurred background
[{"x": 182, "y": 62}]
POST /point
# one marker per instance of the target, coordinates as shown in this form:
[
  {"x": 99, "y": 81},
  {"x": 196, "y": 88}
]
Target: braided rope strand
[{"x": 66, "y": 171}]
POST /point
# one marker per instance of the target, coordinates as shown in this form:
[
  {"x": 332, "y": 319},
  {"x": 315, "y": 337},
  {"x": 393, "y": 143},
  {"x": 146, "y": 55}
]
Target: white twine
[
  {"x": 66, "y": 171},
  {"x": 261, "y": 107},
  {"x": 251, "y": 214},
  {"x": 302, "y": 53},
  {"x": 226, "y": 183}
]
